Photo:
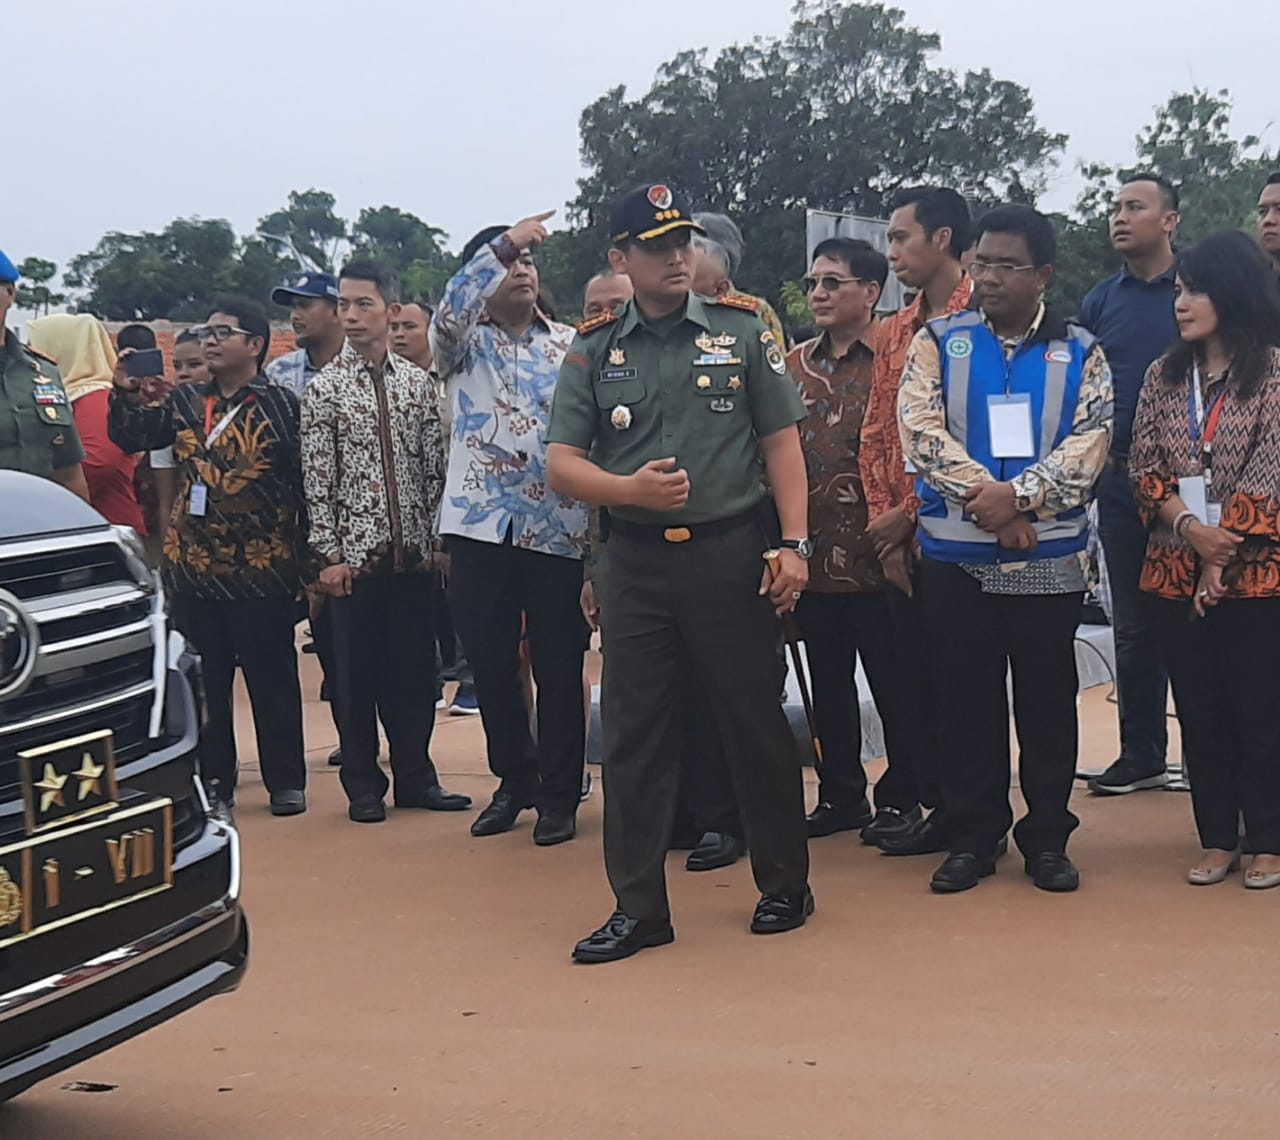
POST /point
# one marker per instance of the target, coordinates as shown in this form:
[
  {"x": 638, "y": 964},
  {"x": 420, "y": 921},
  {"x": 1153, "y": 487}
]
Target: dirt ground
[{"x": 410, "y": 981}]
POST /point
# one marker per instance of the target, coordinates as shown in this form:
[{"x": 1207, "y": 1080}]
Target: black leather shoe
[
  {"x": 554, "y": 827},
  {"x": 889, "y": 822},
  {"x": 827, "y": 819},
  {"x": 290, "y": 802},
  {"x": 335, "y": 758},
  {"x": 961, "y": 872},
  {"x": 435, "y": 798},
  {"x": 776, "y": 914},
  {"x": 928, "y": 837},
  {"x": 715, "y": 849},
  {"x": 1053, "y": 871},
  {"x": 499, "y": 816},
  {"x": 623, "y": 936},
  {"x": 367, "y": 809}
]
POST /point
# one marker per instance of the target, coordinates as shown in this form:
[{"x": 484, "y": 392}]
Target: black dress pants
[
  {"x": 491, "y": 586},
  {"x": 386, "y": 670},
  {"x": 836, "y": 629},
  {"x": 919, "y": 715},
  {"x": 326, "y": 652},
  {"x": 977, "y": 638},
  {"x": 706, "y": 799},
  {"x": 670, "y": 610},
  {"x": 258, "y": 635},
  {"x": 1226, "y": 686}
]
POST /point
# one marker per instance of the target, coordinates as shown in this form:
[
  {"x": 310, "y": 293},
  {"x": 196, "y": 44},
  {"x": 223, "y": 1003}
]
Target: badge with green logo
[{"x": 959, "y": 347}]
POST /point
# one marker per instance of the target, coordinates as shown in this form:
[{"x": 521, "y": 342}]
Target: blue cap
[
  {"x": 8, "y": 272},
  {"x": 323, "y": 285}
]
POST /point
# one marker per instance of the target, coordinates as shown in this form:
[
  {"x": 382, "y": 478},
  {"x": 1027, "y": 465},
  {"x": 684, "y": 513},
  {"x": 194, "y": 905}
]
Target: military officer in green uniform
[
  {"x": 675, "y": 414},
  {"x": 37, "y": 432}
]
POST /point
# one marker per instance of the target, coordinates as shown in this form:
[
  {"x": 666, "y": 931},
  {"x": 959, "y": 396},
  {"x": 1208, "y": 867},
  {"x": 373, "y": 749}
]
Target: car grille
[{"x": 95, "y": 664}]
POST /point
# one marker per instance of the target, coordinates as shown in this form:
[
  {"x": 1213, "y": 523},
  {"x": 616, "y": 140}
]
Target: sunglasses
[
  {"x": 219, "y": 333},
  {"x": 829, "y": 282}
]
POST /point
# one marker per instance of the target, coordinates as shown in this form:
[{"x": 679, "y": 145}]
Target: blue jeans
[{"x": 1142, "y": 684}]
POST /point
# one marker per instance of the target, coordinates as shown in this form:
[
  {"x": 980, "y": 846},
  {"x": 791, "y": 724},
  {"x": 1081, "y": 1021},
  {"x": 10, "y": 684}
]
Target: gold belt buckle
[{"x": 677, "y": 534}]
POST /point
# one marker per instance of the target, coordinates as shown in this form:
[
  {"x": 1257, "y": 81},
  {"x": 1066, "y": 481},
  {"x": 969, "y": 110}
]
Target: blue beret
[{"x": 7, "y": 270}]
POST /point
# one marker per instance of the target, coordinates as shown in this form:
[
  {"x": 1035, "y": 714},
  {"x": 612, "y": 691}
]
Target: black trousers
[
  {"x": 491, "y": 586},
  {"x": 836, "y": 629},
  {"x": 706, "y": 801},
  {"x": 258, "y": 635},
  {"x": 977, "y": 638},
  {"x": 386, "y": 670},
  {"x": 921, "y": 693},
  {"x": 1226, "y": 686},
  {"x": 326, "y": 652},
  {"x": 670, "y": 610}
]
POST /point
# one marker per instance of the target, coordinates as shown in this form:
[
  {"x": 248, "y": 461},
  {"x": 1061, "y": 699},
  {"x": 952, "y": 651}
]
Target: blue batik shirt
[
  {"x": 294, "y": 371},
  {"x": 498, "y": 389}
]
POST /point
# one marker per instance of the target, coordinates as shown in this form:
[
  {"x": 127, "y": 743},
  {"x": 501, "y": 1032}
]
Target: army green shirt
[
  {"x": 704, "y": 385},
  {"x": 37, "y": 431}
]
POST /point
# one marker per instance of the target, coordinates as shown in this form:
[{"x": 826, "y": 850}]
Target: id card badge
[
  {"x": 1193, "y": 492},
  {"x": 198, "y": 502},
  {"x": 1009, "y": 421},
  {"x": 909, "y": 467},
  {"x": 1214, "y": 513}
]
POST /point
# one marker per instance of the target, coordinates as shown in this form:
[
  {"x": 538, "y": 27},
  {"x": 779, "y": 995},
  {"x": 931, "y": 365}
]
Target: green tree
[
  {"x": 409, "y": 245},
  {"x": 309, "y": 222},
  {"x": 34, "y": 291},
  {"x": 838, "y": 114},
  {"x": 1190, "y": 142}
]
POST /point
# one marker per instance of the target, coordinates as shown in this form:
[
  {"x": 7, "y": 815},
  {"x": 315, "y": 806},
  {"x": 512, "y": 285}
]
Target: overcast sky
[{"x": 124, "y": 115}]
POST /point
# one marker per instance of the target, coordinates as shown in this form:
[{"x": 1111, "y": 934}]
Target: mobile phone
[{"x": 144, "y": 362}]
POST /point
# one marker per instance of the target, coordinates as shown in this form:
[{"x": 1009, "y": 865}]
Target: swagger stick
[{"x": 772, "y": 557}]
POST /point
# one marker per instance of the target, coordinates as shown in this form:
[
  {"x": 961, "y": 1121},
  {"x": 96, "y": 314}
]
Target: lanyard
[
  {"x": 211, "y": 430},
  {"x": 1203, "y": 427}
]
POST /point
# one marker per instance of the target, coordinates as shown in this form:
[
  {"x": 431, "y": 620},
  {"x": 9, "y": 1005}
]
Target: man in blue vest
[{"x": 1005, "y": 411}]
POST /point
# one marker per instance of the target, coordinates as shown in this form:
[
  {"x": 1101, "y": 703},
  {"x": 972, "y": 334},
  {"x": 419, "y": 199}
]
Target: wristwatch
[{"x": 802, "y": 546}]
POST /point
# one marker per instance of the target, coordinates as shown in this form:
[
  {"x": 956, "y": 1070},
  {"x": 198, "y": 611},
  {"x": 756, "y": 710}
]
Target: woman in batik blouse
[{"x": 1205, "y": 466}]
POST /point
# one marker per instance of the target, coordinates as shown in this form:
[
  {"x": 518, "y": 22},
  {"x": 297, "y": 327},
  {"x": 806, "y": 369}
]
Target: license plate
[{"x": 58, "y": 878}]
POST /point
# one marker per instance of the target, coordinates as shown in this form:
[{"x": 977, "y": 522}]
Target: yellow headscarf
[{"x": 81, "y": 347}]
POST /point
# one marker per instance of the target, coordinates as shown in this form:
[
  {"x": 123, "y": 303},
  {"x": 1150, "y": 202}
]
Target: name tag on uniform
[
  {"x": 198, "y": 501},
  {"x": 1009, "y": 421},
  {"x": 618, "y": 374}
]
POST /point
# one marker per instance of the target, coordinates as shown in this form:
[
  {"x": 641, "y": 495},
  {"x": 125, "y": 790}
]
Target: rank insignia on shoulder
[
  {"x": 739, "y": 301},
  {"x": 597, "y": 322}
]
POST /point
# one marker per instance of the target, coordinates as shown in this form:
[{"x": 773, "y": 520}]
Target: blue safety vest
[{"x": 974, "y": 368}]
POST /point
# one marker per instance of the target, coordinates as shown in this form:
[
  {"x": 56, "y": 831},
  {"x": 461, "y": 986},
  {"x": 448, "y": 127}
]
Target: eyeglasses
[
  {"x": 829, "y": 282},
  {"x": 998, "y": 269},
  {"x": 219, "y": 333}
]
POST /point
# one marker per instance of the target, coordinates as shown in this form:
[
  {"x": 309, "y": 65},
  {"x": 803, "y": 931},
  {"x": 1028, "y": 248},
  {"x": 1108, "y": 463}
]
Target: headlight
[{"x": 135, "y": 557}]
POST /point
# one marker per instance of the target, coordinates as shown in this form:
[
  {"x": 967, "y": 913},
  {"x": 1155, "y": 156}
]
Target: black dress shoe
[
  {"x": 554, "y": 827},
  {"x": 289, "y": 802},
  {"x": 776, "y": 914},
  {"x": 367, "y": 809},
  {"x": 435, "y": 798},
  {"x": 961, "y": 872},
  {"x": 715, "y": 849},
  {"x": 623, "y": 936},
  {"x": 500, "y": 815},
  {"x": 1053, "y": 871},
  {"x": 827, "y": 819},
  {"x": 335, "y": 758},
  {"x": 889, "y": 822},
  {"x": 928, "y": 837}
]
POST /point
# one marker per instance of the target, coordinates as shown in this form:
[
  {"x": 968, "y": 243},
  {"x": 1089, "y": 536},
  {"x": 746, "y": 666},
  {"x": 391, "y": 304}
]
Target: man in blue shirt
[{"x": 1132, "y": 314}]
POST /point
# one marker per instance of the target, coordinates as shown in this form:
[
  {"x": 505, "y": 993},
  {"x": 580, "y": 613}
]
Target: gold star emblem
[
  {"x": 734, "y": 383},
  {"x": 51, "y": 788},
  {"x": 90, "y": 776}
]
